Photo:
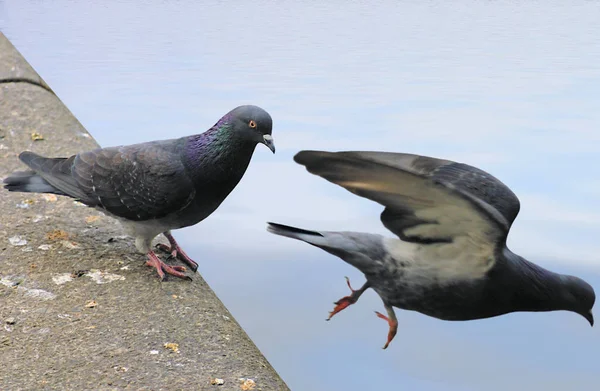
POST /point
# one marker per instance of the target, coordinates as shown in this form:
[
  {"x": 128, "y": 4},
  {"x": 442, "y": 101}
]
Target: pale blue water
[{"x": 512, "y": 88}]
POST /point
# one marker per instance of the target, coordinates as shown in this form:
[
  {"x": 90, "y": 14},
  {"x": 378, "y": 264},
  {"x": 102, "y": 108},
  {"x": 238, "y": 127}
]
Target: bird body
[
  {"x": 156, "y": 186},
  {"x": 450, "y": 259}
]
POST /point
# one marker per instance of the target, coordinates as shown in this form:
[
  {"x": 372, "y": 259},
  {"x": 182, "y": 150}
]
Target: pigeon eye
[{"x": 252, "y": 124}]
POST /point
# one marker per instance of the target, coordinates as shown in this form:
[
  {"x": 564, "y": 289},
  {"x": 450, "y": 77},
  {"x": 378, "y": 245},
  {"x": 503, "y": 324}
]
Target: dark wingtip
[
  {"x": 307, "y": 156},
  {"x": 313, "y": 158},
  {"x": 300, "y": 157},
  {"x": 27, "y": 156}
]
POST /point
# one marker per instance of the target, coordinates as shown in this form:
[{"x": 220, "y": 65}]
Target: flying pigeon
[
  {"x": 450, "y": 260},
  {"x": 157, "y": 186}
]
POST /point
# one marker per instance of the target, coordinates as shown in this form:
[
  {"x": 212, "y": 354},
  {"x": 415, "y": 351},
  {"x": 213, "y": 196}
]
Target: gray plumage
[
  {"x": 450, "y": 260},
  {"x": 156, "y": 186}
]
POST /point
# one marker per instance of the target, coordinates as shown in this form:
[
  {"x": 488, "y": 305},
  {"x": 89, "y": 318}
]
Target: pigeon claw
[
  {"x": 167, "y": 249},
  {"x": 393, "y": 327},
  {"x": 177, "y": 252},
  {"x": 348, "y": 300},
  {"x": 162, "y": 268},
  {"x": 341, "y": 304}
]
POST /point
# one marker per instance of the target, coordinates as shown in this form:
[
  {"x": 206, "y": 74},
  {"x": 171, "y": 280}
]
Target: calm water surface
[{"x": 512, "y": 88}]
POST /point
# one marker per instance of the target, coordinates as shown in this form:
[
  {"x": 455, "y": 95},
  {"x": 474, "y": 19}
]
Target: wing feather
[
  {"x": 426, "y": 200},
  {"x": 136, "y": 182}
]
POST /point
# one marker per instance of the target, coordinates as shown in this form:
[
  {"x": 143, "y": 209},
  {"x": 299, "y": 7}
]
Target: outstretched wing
[
  {"x": 136, "y": 182},
  {"x": 426, "y": 200}
]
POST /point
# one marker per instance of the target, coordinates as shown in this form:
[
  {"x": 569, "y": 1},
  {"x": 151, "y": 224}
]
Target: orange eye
[{"x": 252, "y": 124}]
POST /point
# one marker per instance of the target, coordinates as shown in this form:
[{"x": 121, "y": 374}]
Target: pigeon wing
[
  {"x": 426, "y": 200},
  {"x": 137, "y": 182}
]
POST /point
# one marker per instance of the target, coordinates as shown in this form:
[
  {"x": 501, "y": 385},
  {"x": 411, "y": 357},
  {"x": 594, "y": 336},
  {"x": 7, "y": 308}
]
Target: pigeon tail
[
  {"x": 356, "y": 248},
  {"x": 29, "y": 182},
  {"x": 47, "y": 175},
  {"x": 292, "y": 232}
]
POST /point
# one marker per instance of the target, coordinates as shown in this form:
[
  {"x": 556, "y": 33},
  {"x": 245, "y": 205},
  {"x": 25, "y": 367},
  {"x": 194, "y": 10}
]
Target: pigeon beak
[
  {"x": 589, "y": 316},
  {"x": 268, "y": 141}
]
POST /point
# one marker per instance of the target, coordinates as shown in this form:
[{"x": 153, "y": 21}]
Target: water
[{"x": 509, "y": 87}]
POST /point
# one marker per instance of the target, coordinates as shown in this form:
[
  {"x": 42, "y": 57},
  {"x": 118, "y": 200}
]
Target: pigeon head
[
  {"x": 578, "y": 296},
  {"x": 542, "y": 290},
  {"x": 251, "y": 123}
]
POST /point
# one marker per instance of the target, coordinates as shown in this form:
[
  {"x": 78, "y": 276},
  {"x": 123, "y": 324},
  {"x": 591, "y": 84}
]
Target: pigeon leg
[
  {"x": 392, "y": 321},
  {"x": 348, "y": 300},
  {"x": 176, "y": 251},
  {"x": 161, "y": 267}
]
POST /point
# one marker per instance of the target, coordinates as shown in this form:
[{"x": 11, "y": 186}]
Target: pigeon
[
  {"x": 157, "y": 186},
  {"x": 450, "y": 260}
]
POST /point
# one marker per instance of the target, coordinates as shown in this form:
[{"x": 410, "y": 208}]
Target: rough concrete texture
[
  {"x": 79, "y": 310},
  {"x": 14, "y": 68}
]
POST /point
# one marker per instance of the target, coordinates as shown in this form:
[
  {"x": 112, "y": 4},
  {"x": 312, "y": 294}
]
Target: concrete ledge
[
  {"x": 14, "y": 68},
  {"x": 78, "y": 308}
]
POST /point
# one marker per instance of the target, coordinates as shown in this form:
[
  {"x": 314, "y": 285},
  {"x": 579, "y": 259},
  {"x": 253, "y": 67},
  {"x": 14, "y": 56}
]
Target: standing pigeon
[
  {"x": 450, "y": 261},
  {"x": 156, "y": 186}
]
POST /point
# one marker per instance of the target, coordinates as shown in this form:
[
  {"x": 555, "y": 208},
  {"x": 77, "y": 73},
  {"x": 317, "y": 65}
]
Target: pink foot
[
  {"x": 162, "y": 268},
  {"x": 348, "y": 300},
  {"x": 177, "y": 252},
  {"x": 393, "y": 327}
]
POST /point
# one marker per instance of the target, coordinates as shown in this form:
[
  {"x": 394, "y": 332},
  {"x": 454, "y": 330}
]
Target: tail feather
[
  {"x": 311, "y": 237},
  {"x": 292, "y": 232},
  {"x": 29, "y": 182},
  {"x": 360, "y": 250},
  {"x": 47, "y": 175}
]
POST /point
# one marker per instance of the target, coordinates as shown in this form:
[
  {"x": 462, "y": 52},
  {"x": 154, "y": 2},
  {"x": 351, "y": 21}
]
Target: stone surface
[
  {"x": 78, "y": 308},
  {"x": 14, "y": 67}
]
